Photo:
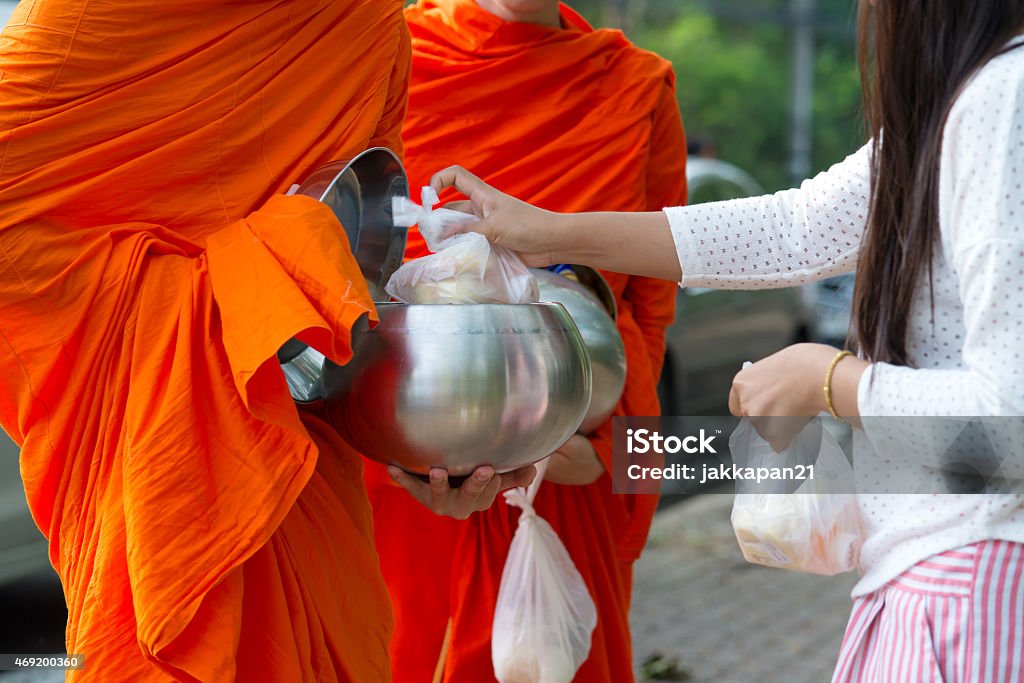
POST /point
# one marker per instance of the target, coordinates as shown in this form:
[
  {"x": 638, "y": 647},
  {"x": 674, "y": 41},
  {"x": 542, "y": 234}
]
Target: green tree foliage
[{"x": 733, "y": 62}]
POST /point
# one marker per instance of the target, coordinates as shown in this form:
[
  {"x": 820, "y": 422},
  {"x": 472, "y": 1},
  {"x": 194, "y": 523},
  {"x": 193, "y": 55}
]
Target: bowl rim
[{"x": 345, "y": 165}]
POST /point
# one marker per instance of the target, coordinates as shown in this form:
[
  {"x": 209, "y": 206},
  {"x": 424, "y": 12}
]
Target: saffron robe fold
[
  {"x": 203, "y": 529},
  {"x": 571, "y": 119}
]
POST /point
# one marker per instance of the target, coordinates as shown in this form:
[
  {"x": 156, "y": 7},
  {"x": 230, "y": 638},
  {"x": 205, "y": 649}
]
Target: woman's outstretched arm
[
  {"x": 779, "y": 240},
  {"x": 631, "y": 243}
]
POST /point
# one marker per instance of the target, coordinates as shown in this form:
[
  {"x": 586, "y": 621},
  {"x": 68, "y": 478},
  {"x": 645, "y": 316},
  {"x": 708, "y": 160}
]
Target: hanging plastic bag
[
  {"x": 544, "y": 616},
  {"x": 465, "y": 269},
  {"x": 814, "y": 529}
]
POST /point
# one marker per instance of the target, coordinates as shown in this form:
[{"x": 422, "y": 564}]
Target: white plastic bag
[
  {"x": 465, "y": 269},
  {"x": 545, "y": 615},
  {"x": 815, "y": 529}
]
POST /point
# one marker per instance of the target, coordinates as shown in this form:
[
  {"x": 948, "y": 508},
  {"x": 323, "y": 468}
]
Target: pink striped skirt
[{"x": 957, "y": 617}]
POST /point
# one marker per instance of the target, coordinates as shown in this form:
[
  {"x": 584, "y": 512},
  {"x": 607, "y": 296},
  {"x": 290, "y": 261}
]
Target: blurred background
[
  {"x": 770, "y": 95},
  {"x": 769, "y": 85}
]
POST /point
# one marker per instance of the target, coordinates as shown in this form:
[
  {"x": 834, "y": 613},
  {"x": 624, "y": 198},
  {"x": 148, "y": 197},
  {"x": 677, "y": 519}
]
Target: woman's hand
[
  {"x": 575, "y": 463},
  {"x": 787, "y": 383},
  {"x": 536, "y": 232},
  {"x": 477, "y": 492},
  {"x": 791, "y": 383}
]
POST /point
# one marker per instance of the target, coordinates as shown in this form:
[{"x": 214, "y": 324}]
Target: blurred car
[
  {"x": 22, "y": 548},
  {"x": 717, "y": 330},
  {"x": 831, "y": 301}
]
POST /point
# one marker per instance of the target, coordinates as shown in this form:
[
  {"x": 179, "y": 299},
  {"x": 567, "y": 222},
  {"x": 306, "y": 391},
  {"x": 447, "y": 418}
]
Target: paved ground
[{"x": 695, "y": 599}]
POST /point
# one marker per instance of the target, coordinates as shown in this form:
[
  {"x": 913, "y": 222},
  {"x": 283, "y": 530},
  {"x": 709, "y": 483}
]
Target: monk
[
  {"x": 203, "y": 528},
  {"x": 538, "y": 103}
]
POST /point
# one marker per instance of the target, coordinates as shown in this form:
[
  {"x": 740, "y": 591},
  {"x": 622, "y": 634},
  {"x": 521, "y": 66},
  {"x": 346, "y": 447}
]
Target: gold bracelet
[{"x": 828, "y": 383}]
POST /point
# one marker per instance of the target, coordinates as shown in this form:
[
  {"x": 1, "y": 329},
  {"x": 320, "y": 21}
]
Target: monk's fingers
[
  {"x": 416, "y": 488},
  {"x": 477, "y": 492},
  {"x": 483, "y": 498},
  {"x": 438, "y": 495},
  {"x": 474, "y": 492},
  {"x": 522, "y": 477},
  {"x": 460, "y": 502},
  {"x": 440, "y": 491},
  {"x": 525, "y": 475},
  {"x": 477, "y": 482}
]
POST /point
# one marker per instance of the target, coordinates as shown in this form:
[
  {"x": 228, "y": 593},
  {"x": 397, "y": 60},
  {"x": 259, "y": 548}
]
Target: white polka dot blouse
[{"x": 968, "y": 356}]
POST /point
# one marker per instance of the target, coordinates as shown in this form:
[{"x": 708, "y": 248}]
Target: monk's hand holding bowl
[
  {"x": 476, "y": 493},
  {"x": 575, "y": 463}
]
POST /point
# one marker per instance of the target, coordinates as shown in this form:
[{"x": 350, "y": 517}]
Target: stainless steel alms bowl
[
  {"x": 359, "y": 192},
  {"x": 591, "y": 304},
  {"x": 461, "y": 386}
]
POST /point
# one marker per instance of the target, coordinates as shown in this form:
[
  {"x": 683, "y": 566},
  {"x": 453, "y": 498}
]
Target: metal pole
[{"x": 803, "y": 89}]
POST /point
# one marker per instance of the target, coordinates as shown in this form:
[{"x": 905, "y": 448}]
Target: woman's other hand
[{"x": 791, "y": 384}]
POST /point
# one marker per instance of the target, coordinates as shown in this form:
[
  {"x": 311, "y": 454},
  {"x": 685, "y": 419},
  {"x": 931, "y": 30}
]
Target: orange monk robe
[
  {"x": 202, "y": 528},
  {"x": 571, "y": 120}
]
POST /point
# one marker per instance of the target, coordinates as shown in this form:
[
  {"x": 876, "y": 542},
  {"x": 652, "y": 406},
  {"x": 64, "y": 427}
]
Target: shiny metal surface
[
  {"x": 359, "y": 191},
  {"x": 461, "y": 386},
  {"x": 601, "y": 336},
  {"x": 595, "y": 282},
  {"x": 303, "y": 372}
]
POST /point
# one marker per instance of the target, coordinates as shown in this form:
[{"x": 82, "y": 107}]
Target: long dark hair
[{"x": 915, "y": 57}]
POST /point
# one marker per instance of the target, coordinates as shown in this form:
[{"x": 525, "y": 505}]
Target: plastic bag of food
[
  {"x": 465, "y": 269},
  {"x": 815, "y": 528},
  {"x": 544, "y": 616}
]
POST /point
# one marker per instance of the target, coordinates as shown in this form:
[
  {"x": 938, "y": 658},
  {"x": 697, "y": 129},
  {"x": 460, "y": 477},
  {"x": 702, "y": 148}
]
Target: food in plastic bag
[
  {"x": 814, "y": 529},
  {"x": 465, "y": 269},
  {"x": 544, "y": 616}
]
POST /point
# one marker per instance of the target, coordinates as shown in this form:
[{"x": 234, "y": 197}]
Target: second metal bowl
[{"x": 591, "y": 303}]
